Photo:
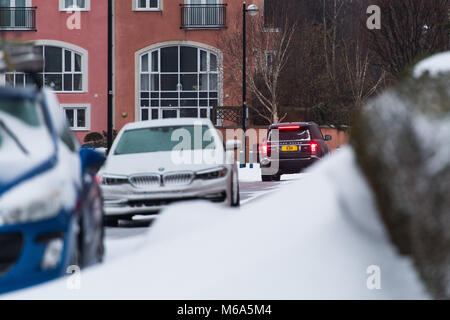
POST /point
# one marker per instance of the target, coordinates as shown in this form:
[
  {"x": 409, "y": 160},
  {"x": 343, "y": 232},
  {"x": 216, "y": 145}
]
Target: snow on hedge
[{"x": 315, "y": 238}]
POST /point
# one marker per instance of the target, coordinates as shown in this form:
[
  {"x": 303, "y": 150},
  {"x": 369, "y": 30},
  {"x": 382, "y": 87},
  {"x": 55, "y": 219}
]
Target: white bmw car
[{"x": 154, "y": 163}]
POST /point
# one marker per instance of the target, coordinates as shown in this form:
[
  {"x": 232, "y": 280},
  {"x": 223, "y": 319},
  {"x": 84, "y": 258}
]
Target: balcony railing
[
  {"x": 203, "y": 16},
  {"x": 18, "y": 18}
]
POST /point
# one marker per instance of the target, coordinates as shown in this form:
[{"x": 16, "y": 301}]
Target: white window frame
[
  {"x": 74, "y": 49},
  {"x": 147, "y": 8},
  {"x": 208, "y": 72},
  {"x": 78, "y": 106},
  {"x": 28, "y": 3},
  {"x": 63, "y": 8}
]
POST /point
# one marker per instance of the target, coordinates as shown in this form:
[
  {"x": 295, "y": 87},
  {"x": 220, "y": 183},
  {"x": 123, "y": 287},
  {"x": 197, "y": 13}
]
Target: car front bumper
[
  {"x": 126, "y": 200},
  {"x": 23, "y": 266}
]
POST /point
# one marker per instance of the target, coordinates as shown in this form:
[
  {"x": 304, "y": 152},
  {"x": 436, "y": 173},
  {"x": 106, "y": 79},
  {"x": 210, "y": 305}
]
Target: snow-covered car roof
[
  {"x": 166, "y": 122},
  {"x": 434, "y": 65}
]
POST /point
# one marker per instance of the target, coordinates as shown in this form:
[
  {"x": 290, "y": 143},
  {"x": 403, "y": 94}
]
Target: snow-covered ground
[{"x": 314, "y": 238}]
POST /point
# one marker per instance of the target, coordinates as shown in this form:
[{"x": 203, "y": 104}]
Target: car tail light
[
  {"x": 292, "y": 127},
  {"x": 314, "y": 148},
  {"x": 265, "y": 149},
  {"x": 97, "y": 179}
]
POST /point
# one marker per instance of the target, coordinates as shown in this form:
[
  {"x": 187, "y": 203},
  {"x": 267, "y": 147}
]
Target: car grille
[
  {"x": 178, "y": 178},
  {"x": 145, "y": 181},
  {"x": 10, "y": 248}
]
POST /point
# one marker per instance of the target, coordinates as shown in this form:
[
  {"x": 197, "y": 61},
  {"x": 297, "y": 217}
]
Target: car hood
[
  {"x": 160, "y": 162},
  {"x": 15, "y": 164}
]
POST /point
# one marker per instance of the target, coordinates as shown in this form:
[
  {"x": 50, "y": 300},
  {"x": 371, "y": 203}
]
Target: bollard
[
  {"x": 241, "y": 159},
  {"x": 251, "y": 158}
]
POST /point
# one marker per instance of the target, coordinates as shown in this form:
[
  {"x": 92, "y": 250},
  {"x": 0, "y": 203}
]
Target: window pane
[
  {"x": 10, "y": 79},
  {"x": 145, "y": 103},
  {"x": 53, "y": 59},
  {"x": 154, "y": 82},
  {"x": 67, "y": 82},
  {"x": 81, "y": 118},
  {"x": 203, "y": 60},
  {"x": 213, "y": 82},
  {"x": 144, "y": 114},
  {"x": 77, "y": 63},
  {"x": 155, "y": 103},
  {"x": 203, "y": 102},
  {"x": 142, "y": 3},
  {"x": 67, "y": 60},
  {"x": 203, "y": 113},
  {"x": 54, "y": 81},
  {"x": 169, "y": 95},
  {"x": 189, "y": 95},
  {"x": 29, "y": 81},
  {"x": 68, "y": 3},
  {"x": 81, "y": 4},
  {"x": 153, "y": 3},
  {"x": 145, "y": 82},
  {"x": 188, "y": 113},
  {"x": 169, "y": 114},
  {"x": 155, "y": 113},
  {"x": 145, "y": 95},
  {"x": 19, "y": 80},
  {"x": 169, "y": 59},
  {"x": 70, "y": 117},
  {"x": 155, "y": 63},
  {"x": 203, "y": 82},
  {"x": 169, "y": 82},
  {"x": 189, "y": 82},
  {"x": 188, "y": 59},
  {"x": 188, "y": 103},
  {"x": 144, "y": 63},
  {"x": 213, "y": 62},
  {"x": 169, "y": 103},
  {"x": 77, "y": 82}
]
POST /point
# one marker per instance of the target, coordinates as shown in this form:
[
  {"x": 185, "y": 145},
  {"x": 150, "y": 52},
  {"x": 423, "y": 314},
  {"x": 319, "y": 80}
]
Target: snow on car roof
[
  {"x": 439, "y": 63},
  {"x": 166, "y": 122}
]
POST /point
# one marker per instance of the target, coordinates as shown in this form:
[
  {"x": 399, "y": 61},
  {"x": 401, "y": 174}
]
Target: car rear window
[
  {"x": 26, "y": 110},
  {"x": 302, "y": 134},
  {"x": 166, "y": 138}
]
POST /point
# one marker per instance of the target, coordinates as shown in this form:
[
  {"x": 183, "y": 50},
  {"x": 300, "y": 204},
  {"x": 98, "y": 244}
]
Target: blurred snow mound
[
  {"x": 313, "y": 239},
  {"x": 439, "y": 63}
]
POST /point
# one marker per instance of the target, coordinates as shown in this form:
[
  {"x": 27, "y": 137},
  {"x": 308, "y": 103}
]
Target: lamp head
[{"x": 252, "y": 10}]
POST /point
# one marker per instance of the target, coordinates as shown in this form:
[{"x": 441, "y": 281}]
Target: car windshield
[
  {"x": 291, "y": 135},
  {"x": 166, "y": 138},
  {"x": 23, "y": 109}
]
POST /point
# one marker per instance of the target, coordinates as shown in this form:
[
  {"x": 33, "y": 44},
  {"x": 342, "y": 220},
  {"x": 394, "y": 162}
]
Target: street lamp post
[
  {"x": 252, "y": 11},
  {"x": 110, "y": 124}
]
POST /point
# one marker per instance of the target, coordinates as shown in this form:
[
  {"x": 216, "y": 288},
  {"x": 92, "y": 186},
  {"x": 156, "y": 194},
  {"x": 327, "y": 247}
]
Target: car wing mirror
[{"x": 233, "y": 144}]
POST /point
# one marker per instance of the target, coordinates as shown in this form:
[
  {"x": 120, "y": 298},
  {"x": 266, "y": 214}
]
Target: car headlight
[
  {"x": 18, "y": 207},
  {"x": 209, "y": 174},
  {"x": 112, "y": 180}
]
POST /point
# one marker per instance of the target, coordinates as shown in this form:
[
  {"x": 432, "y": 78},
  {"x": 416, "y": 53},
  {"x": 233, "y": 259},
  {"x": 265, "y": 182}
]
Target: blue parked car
[{"x": 51, "y": 207}]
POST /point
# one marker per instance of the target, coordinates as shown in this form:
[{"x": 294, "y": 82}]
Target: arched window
[
  {"x": 178, "y": 82},
  {"x": 62, "y": 71}
]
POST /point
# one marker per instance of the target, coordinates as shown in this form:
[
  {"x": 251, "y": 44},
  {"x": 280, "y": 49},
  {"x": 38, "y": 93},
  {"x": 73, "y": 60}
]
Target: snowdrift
[{"x": 316, "y": 238}]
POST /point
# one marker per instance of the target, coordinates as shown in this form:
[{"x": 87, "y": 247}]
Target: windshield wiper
[{"x": 13, "y": 136}]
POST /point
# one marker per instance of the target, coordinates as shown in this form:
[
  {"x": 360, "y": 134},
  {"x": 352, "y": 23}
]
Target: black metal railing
[
  {"x": 203, "y": 16},
  {"x": 18, "y": 18},
  {"x": 226, "y": 116}
]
